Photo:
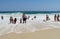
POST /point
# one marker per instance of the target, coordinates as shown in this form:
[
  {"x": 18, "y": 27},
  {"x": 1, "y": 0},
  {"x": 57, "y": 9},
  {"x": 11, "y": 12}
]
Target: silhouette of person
[
  {"x": 2, "y": 17},
  {"x": 24, "y": 18},
  {"x": 55, "y": 18},
  {"x": 58, "y": 17},
  {"x": 47, "y": 18},
  {"x": 20, "y": 20},
  {"x": 11, "y": 19},
  {"x": 15, "y": 20}
]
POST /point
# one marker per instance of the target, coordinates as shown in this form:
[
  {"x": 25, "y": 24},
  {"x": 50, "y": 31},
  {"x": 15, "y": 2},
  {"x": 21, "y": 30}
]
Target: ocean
[
  {"x": 30, "y": 12},
  {"x": 31, "y": 25}
]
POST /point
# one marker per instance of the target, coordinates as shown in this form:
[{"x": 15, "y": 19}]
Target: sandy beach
[
  {"x": 42, "y": 34},
  {"x": 29, "y": 19}
]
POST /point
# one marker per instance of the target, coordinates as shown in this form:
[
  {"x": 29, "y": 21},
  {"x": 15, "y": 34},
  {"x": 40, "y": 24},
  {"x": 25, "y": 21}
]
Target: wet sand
[{"x": 42, "y": 34}]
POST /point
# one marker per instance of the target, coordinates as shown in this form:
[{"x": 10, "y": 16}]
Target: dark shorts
[{"x": 24, "y": 19}]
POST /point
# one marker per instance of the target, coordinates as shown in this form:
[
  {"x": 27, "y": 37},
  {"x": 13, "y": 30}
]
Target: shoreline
[
  {"x": 36, "y": 24},
  {"x": 42, "y": 34}
]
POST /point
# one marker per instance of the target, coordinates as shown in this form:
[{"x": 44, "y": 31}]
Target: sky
[{"x": 29, "y": 5}]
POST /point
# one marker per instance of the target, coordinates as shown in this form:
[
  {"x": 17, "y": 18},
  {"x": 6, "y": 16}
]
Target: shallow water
[{"x": 30, "y": 26}]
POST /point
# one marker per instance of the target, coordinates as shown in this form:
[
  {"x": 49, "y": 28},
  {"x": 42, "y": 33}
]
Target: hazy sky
[{"x": 29, "y": 5}]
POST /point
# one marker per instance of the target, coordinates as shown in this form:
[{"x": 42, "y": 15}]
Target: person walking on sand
[
  {"x": 11, "y": 19},
  {"x": 15, "y": 19},
  {"x": 24, "y": 18}
]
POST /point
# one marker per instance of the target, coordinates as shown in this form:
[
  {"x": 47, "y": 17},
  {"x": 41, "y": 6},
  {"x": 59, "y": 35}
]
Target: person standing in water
[
  {"x": 24, "y": 18},
  {"x": 2, "y": 17},
  {"x": 15, "y": 21},
  {"x": 11, "y": 19},
  {"x": 47, "y": 18},
  {"x": 55, "y": 18},
  {"x": 58, "y": 18},
  {"x": 20, "y": 20}
]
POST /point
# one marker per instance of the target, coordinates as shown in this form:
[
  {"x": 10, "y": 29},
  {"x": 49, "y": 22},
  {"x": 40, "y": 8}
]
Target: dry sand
[{"x": 42, "y": 34}]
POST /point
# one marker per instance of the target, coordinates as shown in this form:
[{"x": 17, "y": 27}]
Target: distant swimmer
[
  {"x": 24, "y": 18},
  {"x": 15, "y": 20},
  {"x": 34, "y": 17},
  {"x": 2, "y": 17},
  {"x": 11, "y": 19}
]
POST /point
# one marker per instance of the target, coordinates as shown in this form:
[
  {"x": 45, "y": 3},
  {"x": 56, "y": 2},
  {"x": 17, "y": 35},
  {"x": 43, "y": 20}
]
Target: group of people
[
  {"x": 13, "y": 20},
  {"x": 24, "y": 18},
  {"x": 56, "y": 17}
]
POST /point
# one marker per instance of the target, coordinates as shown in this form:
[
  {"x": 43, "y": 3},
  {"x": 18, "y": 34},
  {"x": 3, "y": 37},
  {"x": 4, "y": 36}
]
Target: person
[
  {"x": 15, "y": 19},
  {"x": 20, "y": 20},
  {"x": 11, "y": 19},
  {"x": 34, "y": 17},
  {"x": 58, "y": 17},
  {"x": 47, "y": 18},
  {"x": 55, "y": 18},
  {"x": 2, "y": 17},
  {"x": 28, "y": 17},
  {"x": 24, "y": 18}
]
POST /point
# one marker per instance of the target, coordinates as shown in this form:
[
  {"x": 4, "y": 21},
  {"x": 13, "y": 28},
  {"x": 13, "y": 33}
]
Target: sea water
[{"x": 31, "y": 25}]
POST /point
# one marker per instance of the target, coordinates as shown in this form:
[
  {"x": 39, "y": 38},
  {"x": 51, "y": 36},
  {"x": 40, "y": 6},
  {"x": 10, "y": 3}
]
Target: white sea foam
[{"x": 30, "y": 26}]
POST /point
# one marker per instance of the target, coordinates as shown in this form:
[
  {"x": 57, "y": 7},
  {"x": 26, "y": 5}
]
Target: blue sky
[{"x": 29, "y": 5}]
